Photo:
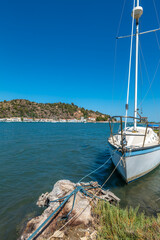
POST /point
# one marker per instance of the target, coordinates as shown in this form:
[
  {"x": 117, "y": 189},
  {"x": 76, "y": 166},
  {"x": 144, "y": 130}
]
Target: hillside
[{"x": 25, "y": 108}]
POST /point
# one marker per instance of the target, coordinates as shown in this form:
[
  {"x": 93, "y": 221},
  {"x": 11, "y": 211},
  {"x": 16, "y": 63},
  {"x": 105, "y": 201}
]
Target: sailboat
[{"x": 135, "y": 149}]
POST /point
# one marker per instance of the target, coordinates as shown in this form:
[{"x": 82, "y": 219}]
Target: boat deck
[{"x": 135, "y": 139}]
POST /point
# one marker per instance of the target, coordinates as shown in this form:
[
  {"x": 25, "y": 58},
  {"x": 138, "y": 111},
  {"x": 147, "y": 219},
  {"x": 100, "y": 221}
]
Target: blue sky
[{"x": 64, "y": 50}]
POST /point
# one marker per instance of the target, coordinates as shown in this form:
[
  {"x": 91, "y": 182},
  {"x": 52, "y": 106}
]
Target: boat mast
[{"x": 136, "y": 13}]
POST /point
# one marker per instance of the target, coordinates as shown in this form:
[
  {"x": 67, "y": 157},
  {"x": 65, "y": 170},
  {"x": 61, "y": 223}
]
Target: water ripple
[{"x": 34, "y": 156}]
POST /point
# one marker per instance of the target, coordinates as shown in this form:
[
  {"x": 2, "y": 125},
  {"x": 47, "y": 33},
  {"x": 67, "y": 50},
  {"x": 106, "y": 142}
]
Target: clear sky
[{"x": 64, "y": 50}]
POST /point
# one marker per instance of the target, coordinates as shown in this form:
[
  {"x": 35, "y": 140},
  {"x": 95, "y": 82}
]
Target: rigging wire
[
  {"x": 115, "y": 53},
  {"x": 130, "y": 61},
  {"x": 150, "y": 83},
  {"x": 121, "y": 17},
  {"x": 157, "y": 40},
  {"x": 148, "y": 78},
  {"x": 145, "y": 66},
  {"x": 141, "y": 94},
  {"x": 157, "y": 21},
  {"x": 156, "y": 12}
]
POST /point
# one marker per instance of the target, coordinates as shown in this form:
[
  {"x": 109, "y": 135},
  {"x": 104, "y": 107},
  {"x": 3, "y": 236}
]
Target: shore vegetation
[{"x": 125, "y": 224}]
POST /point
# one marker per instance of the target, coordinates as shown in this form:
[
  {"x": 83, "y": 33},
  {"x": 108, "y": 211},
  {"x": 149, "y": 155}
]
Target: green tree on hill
[{"x": 25, "y": 108}]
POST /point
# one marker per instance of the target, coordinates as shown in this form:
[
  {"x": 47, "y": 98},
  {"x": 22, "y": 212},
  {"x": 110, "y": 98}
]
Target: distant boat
[{"x": 135, "y": 149}]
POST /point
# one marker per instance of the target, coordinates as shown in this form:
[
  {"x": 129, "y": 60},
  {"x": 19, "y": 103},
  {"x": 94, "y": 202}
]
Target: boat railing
[{"x": 122, "y": 131}]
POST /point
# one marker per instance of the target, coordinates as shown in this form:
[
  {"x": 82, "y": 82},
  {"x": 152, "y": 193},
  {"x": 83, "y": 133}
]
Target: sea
[{"x": 34, "y": 156}]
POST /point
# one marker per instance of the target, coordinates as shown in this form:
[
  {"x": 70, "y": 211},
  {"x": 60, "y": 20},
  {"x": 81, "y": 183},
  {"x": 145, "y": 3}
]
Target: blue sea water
[{"x": 33, "y": 156}]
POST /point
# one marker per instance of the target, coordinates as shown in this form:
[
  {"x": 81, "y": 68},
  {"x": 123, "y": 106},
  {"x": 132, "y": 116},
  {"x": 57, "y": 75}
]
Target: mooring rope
[
  {"x": 79, "y": 188},
  {"x": 50, "y": 216},
  {"x": 65, "y": 199},
  {"x": 94, "y": 196},
  {"x": 87, "y": 175}
]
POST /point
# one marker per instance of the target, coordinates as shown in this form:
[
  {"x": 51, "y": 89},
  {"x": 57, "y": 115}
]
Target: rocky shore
[{"x": 75, "y": 219}]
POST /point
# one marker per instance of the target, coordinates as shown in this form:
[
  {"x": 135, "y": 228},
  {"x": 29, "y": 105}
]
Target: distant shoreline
[
  {"x": 51, "y": 121},
  {"x": 18, "y": 110}
]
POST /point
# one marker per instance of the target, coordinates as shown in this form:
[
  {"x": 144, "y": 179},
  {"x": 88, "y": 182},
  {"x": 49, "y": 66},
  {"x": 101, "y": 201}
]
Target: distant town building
[{"x": 91, "y": 119}]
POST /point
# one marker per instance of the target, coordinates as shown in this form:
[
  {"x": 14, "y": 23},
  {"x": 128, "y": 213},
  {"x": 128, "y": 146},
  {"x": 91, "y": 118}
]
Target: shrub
[{"x": 125, "y": 224}]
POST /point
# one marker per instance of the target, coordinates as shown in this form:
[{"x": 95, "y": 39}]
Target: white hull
[{"x": 136, "y": 164}]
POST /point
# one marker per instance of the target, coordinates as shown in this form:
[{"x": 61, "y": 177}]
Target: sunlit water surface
[{"x": 33, "y": 156}]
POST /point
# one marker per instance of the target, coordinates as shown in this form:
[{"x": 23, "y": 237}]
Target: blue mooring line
[
  {"x": 58, "y": 199},
  {"x": 52, "y": 214},
  {"x": 66, "y": 198}
]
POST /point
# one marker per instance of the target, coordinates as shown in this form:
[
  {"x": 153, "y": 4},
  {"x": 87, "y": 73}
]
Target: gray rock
[{"x": 81, "y": 212}]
